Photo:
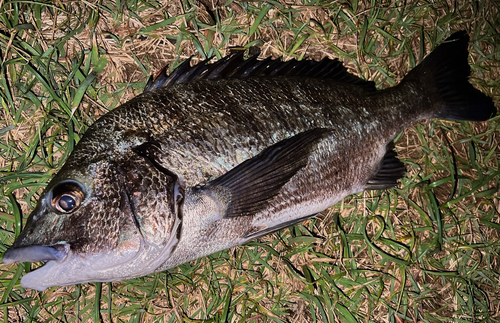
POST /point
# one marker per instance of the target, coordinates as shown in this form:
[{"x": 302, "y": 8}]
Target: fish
[{"x": 215, "y": 155}]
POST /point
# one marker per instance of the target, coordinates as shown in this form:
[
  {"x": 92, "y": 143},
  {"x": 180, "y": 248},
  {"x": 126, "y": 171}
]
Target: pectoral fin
[{"x": 248, "y": 188}]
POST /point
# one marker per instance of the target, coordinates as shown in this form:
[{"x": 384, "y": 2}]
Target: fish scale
[
  {"x": 269, "y": 127},
  {"x": 215, "y": 155},
  {"x": 344, "y": 141}
]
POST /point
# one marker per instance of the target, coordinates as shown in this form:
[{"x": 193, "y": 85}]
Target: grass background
[{"x": 427, "y": 251}]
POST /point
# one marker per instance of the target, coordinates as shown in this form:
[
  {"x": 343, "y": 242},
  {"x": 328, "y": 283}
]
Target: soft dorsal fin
[
  {"x": 236, "y": 66},
  {"x": 391, "y": 169}
]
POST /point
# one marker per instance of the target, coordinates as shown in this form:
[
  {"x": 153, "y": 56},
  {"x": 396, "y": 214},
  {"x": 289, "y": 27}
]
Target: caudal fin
[{"x": 444, "y": 76}]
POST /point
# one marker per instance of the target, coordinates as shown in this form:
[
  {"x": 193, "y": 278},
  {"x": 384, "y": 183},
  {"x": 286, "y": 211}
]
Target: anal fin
[{"x": 391, "y": 169}]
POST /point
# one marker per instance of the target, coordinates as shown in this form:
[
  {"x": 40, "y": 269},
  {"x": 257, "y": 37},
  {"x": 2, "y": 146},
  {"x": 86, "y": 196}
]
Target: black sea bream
[{"x": 216, "y": 155}]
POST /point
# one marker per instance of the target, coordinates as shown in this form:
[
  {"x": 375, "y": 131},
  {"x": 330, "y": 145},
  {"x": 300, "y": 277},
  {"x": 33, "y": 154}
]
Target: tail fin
[{"x": 444, "y": 75}]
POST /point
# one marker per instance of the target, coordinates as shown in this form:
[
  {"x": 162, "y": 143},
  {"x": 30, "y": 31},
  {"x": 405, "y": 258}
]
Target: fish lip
[
  {"x": 82, "y": 268},
  {"x": 36, "y": 253}
]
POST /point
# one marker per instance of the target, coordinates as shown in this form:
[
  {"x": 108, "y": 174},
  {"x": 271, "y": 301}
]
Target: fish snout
[{"x": 36, "y": 253}]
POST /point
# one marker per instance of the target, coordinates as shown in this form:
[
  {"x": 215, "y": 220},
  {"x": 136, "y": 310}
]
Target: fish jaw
[
  {"x": 36, "y": 253},
  {"x": 133, "y": 257},
  {"x": 75, "y": 269},
  {"x": 137, "y": 259}
]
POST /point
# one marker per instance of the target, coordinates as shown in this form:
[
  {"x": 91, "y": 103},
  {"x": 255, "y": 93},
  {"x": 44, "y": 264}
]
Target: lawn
[{"x": 426, "y": 251}]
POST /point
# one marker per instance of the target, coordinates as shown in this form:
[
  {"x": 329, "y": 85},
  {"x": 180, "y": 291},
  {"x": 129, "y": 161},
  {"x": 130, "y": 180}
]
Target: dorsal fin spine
[{"x": 235, "y": 66}]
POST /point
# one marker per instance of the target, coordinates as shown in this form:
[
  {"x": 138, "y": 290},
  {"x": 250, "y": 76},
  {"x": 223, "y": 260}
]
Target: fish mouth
[
  {"x": 36, "y": 253},
  {"x": 79, "y": 268}
]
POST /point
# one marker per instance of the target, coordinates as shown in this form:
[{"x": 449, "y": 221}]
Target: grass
[{"x": 427, "y": 251}]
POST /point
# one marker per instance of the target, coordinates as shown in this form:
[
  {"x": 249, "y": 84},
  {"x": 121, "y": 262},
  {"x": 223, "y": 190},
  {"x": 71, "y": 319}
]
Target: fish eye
[{"x": 67, "y": 196}]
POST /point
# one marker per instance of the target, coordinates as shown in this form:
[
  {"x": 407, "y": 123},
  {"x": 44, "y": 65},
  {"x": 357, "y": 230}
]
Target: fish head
[{"x": 104, "y": 221}]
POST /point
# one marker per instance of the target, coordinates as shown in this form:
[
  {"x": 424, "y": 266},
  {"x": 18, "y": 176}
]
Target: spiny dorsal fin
[
  {"x": 235, "y": 66},
  {"x": 391, "y": 169}
]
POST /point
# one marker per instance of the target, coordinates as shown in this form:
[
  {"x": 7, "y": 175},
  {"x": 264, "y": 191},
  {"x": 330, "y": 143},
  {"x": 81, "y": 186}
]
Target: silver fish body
[{"x": 195, "y": 167}]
